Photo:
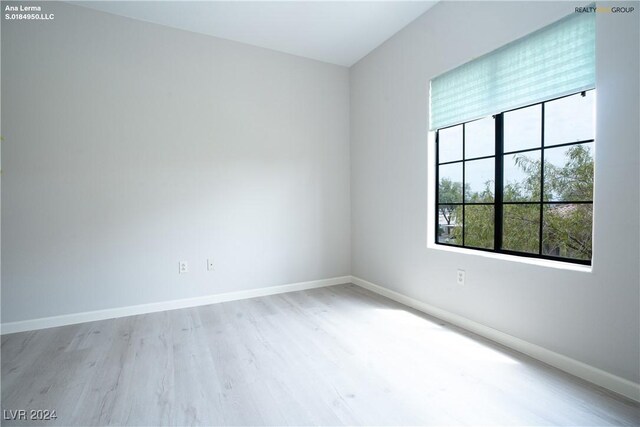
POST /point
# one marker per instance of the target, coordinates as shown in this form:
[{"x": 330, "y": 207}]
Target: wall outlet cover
[{"x": 183, "y": 267}]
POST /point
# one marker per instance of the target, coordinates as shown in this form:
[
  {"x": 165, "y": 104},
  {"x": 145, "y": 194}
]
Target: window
[
  {"x": 520, "y": 182},
  {"x": 514, "y": 145}
]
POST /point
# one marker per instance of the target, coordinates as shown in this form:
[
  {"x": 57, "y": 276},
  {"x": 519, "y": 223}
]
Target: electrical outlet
[
  {"x": 210, "y": 266},
  {"x": 460, "y": 277},
  {"x": 183, "y": 267}
]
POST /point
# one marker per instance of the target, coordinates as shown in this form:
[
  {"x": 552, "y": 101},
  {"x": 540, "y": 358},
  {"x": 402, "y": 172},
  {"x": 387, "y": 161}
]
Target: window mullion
[
  {"x": 541, "y": 183},
  {"x": 464, "y": 126},
  {"x": 498, "y": 208},
  {"x": 437, "y": 185}
]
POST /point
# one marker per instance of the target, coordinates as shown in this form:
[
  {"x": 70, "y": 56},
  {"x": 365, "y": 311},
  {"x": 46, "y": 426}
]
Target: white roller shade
[{"x": 556, "y": 60}]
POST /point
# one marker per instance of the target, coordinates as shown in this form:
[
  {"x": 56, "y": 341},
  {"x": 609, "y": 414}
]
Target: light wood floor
[{"x": 331, "y": 356}]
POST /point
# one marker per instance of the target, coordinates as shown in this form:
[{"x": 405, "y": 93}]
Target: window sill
[{"x": 514, "y": 258}]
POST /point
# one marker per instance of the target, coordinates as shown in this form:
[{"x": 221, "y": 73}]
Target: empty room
[{"x": 320, "y": 213}]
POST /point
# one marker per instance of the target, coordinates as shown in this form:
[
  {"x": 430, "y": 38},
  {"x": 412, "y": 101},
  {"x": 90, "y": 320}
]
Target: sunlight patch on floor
[{"x": 457, "y": 345}]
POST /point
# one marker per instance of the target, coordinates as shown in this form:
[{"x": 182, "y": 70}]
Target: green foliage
[
  {"x": 521, "y": 228},
  {"x": 527, "y": 190},
  {"x": 567, "y": 231},
  {"x": 479, "y": 229},
  {"x": 450, "y": 192},
  {"x": 566, "y": 227},
  {"x": 573, "y": 181}
]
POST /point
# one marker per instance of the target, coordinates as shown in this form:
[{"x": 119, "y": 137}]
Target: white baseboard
[
  {"x": 90, "y": 316},
  {"x": 582, "y": 370}
]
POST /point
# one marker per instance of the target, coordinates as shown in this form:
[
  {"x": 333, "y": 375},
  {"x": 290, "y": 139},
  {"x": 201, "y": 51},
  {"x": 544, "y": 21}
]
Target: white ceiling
[{"x": 339, "y": 32}]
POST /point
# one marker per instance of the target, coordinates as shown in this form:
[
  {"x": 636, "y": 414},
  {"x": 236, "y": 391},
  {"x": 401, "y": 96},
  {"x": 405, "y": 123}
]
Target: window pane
[
  {"x": 567, "y": 230},
  {"x": 450, "y": 187},
  {"x": 570, "y": 119},
  {"x": 449, "y": 224},
  {"x": 568, "y": 173},
  {"x": 450, "y": 144},
  {"x": 523, "y": 128},
  {"x": 522, "y": 177},
  {"x": 479, "y": 138},
  {"x": 478, "y": 226},
  {"x": 521, "y": 228},
  {"x": 479, "y": 180}
]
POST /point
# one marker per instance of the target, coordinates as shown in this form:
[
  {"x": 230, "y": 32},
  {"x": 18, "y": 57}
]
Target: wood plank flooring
[{"x": 332, "y": 356}]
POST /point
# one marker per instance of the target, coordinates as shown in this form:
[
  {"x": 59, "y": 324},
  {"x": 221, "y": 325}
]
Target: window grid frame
[{"x": 498, "y": 202}]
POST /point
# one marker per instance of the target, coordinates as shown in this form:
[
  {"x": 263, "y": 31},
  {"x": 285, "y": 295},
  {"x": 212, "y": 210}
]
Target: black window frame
[{"x": 498, "y": 202}]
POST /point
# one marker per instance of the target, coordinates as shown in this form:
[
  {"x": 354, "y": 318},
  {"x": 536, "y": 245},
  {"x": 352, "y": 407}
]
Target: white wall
[
  {"x": 130, "y": 146},
  {"x": 592, "y": 317}
]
